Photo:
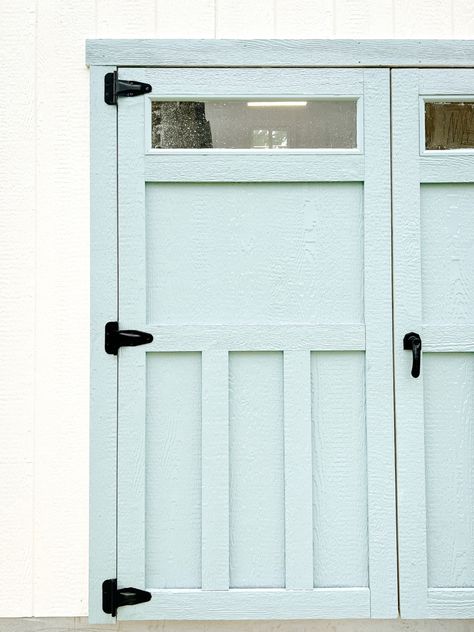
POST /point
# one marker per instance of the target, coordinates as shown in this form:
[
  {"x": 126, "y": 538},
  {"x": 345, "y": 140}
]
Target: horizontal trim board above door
[{"x": 280, "y": 53}]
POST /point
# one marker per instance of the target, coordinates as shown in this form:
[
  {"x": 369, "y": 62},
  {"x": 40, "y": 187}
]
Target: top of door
[{"x": 280, "y": 53}]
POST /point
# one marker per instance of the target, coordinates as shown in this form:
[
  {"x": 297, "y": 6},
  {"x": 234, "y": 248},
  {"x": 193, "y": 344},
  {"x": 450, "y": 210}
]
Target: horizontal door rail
[
  {"x": 255, "y": 604},
  {"x": 340, "y": 337},
  {"x": 448, "y": 338},
  {"x": 173, "y": 166}
]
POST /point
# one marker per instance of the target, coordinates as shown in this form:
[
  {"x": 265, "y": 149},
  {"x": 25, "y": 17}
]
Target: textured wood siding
[{"x": 44, "y": 250}]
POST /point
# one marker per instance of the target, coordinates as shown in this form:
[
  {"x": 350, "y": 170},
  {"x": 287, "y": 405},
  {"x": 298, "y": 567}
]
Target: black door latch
[
  {"x": 412, "y": 342},
  {"x": 113, "y": 597},
  {"x": 116, "y": 338}
]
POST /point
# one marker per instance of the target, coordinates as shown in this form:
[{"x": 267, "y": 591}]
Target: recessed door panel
[{"x": 254, "y": 252}]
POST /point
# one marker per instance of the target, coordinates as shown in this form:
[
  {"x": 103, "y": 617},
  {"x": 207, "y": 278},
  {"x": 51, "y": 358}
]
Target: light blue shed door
[
  {"x": 433, "y": 178},
  {"x": 255, "y": 466}
]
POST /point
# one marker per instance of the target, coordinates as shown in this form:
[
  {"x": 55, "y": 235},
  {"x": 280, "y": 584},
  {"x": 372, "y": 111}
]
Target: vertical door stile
[
  {"x": 378, "y": 355},
  {"x": 103, "y": 397},
  {"x": 298, "y": 470},
  {"x": 215, "y": 470},
  {"x": 407, "y": 318},
  {"x": 131, "y": 557}
]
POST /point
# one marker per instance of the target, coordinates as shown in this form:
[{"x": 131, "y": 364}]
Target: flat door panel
[
  {"x": 433, "y": 180},
  {"x": 255, "y": 457}
]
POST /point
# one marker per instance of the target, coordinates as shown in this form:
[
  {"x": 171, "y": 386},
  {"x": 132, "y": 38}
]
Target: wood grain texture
[
  {"x": 344, "y": 336},
  {"x": 256, "y": 447},
  {"x": 247, "y": 82},
  {"x": 447, "y": 262},
  {"x": 322, "y": 603},
  {"x": 449, "y": 445},
  {"x": 230, "y": 167},
  {"x": 258, "y": 52},
  {"x": 103, "y": 395},
  {"x": 456, "y": 83},
  {"x": 275, "y": 253},
  {"x": 298, "y": 470},
  {"x": 378, "y": 357},
  {"x": 132, "y": 383},
  {"x": 215, "y": 470},
  {"x": 448, "y": 338},
  {"x": 175, "y": 423},
  {"x": 339, "y": 470},
  {"x": 446, "y": 169},
  {"x": 408, "y": 317},
  {"x": 453, "y": 602},
  {"x": 252, "y": 604}
]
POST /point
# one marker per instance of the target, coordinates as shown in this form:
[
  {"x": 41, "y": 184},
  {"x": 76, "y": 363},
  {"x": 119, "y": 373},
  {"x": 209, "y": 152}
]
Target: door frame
[{"x": 105, "y": 56}]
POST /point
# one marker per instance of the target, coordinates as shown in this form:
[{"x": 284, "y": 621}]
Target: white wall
[{"x": 44, "y": 265}]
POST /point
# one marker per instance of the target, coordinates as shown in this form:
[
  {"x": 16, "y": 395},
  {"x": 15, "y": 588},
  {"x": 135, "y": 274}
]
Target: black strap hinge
[
  {"x": 116, "y": 338},
  {"x": 113, "y": 597},
  {"x": 115, "y": 87}
]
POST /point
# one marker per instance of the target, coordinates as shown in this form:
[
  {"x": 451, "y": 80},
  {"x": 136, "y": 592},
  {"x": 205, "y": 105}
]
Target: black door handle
[{"x": 412, "y": 342}]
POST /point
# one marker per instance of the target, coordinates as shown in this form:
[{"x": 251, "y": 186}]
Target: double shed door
[
  {"x": 256, "y": 472},
  {"x": 255, "y": 433}
]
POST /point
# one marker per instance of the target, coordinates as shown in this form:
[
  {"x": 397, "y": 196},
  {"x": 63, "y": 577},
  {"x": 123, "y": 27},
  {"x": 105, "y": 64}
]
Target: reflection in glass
[
  {"x": 449, "y": 125},
  {"x": 322, "y": 124}
]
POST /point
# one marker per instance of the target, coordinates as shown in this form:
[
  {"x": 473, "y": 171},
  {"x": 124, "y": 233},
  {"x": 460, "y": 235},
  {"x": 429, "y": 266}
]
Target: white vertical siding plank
[
  {"x": 188, "y": 18},
  {"x": 463, "y": 18},
  {"x": 304, "y": 18},
  {"x": 215, "y": 470},
  {"x": 245, "y": 19},
  {"x": 17, "y": 291},
  {"x": 424, "y": 18},
  {"x": 356, "y": 19},
  {"x": 408, "y": 317},
  {"x": 378, "y": 365},
  {"x": 16, "y": 489},
  {"x": 298, "y": 470},
  {"x": 103, "y": 409},
  {"x": 62, "y": 309},
  {"x": 127, "y": 18}
]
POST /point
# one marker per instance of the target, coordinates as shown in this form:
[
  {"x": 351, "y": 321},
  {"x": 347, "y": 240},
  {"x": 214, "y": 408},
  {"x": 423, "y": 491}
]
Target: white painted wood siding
[{"x": 44, "y": 249}]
